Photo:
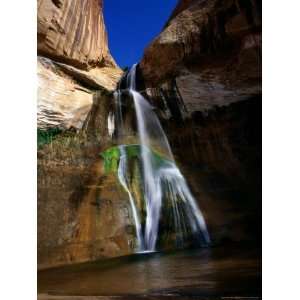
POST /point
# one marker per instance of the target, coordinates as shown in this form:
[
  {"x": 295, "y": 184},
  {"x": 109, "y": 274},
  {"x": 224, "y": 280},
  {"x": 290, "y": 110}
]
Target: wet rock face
[
  {"x": 203, "y": 74},
  {"x": 83, "y": 214},
  {"x": 73, "y": 32},
  {"x": 212, "y": 49},
  {"x": 219, "y": 153}
]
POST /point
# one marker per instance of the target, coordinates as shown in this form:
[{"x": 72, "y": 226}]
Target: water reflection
[{"x": 231, "y": 272}]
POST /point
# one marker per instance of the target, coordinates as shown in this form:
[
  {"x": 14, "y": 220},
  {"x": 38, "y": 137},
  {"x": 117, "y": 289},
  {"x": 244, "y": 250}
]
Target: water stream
[{"x": 163, "y": 184}]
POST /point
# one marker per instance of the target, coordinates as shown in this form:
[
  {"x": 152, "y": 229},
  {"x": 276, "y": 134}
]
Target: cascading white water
[
  {"x": 111, "y": 124},
  {"x": 152, "y": 188},
  {"x": 163, "y": 182},
  {"x": 122, "y": 175}
]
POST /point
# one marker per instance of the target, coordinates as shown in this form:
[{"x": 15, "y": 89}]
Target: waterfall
[
  {"x": 111, "y": 124},
  {"x": 160, "y": 183},
  {"x": 124, "y": 181}
]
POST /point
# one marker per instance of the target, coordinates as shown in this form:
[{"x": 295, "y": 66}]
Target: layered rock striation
[
  {"x": 81, "y": 216},
  {"x": 65, "y": 93},
  {"x": 203, "y": 75},
  {"x": 73, "y": 32},
  {"x": 73, "y": 61}
]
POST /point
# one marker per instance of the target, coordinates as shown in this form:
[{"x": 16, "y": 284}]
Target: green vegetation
[
  {"x": 45, "y": 137},
  {"x": 112, "y": 156},
  {"x": 111, "y": 159},
  {"x": 65, "y": 145}
]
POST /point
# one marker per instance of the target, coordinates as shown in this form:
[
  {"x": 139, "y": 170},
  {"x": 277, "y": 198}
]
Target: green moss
[
  {"x": 111, "y": 159},
  {"x": 112, "y": 156},
  {"x": 45, "y": 137}
]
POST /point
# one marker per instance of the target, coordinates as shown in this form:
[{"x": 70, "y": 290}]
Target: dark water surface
[{"x": 216, "y": 273}]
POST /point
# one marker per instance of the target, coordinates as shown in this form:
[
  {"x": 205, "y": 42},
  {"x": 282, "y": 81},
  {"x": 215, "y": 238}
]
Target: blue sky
[{"x": 132, "y": 25}]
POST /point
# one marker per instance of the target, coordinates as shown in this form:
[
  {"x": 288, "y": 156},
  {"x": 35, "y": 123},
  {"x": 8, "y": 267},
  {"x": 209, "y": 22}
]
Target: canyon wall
[
  {"x": 73, "y": 61},
  {"x": 83, "y": 213},
  {"x": 81, "y": 216},
  {"x": 213, "y": 50},
  {"x": 73, "y": 32},
  {"x": 203, "y": 73}
]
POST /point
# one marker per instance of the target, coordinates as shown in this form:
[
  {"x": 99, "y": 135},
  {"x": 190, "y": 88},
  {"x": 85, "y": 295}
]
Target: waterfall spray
[{"x": 163, "y": 183}]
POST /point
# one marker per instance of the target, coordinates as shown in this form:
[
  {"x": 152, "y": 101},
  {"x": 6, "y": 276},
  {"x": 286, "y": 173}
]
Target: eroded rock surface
[
  {"x": 73, "y": 61},
  {"x": 83, "y": 214},
  {"x": 65, "y": 93},
  {"x": 203, "y": 74},
  {"x": 62, "y": 102},
  {"x": 73, "y": 32},
  {"x": 212, "y": 50}
]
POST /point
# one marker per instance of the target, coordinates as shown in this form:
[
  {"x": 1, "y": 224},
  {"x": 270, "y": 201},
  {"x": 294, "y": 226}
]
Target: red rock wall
[
  {"x": 203, "y": 73},
  {"x": 73, "y": 32},
  {"x": 212, "y": 48},
  {"x": 73, "y": 60}
]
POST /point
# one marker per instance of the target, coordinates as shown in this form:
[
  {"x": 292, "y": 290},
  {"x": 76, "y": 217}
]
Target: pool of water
[{"x": 209, "y": 273}]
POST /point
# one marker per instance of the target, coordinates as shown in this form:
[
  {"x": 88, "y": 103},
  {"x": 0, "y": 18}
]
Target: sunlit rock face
[
  {"x": 73, "y": 32},
  {"x": 62, "y": 102},
  {"x": 73, "y": 61},
  {"x": 81, "y": 216},
  {"x": 65, "y": 93},
  {"x": 203, "y": 75},
  {"x": 212, "y": 49}
]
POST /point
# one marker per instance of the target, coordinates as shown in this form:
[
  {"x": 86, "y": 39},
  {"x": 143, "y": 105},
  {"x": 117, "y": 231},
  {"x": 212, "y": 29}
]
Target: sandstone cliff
[
  {"x": 211, "y": 49},
  {"x": 65, "y": 93},
  {"x": 80, "y": 216},
  {"x": 73, "y": 32},
  {"x": 203, "y": 73},
  {"x": 83, "y": 214},
  {"x": 73, "y": 61}
]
